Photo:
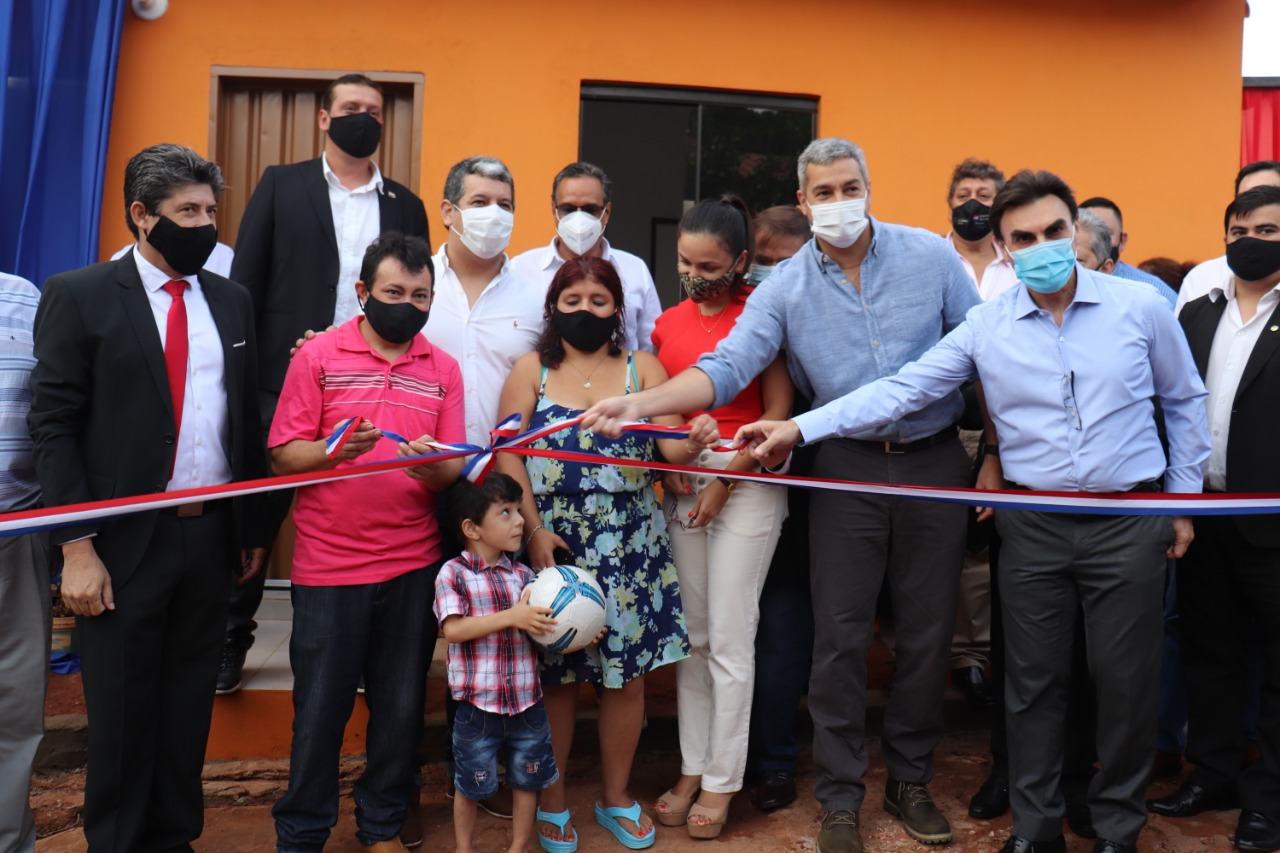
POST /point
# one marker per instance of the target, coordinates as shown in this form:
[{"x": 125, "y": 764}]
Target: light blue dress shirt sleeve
[{"x": 1182, "y": 396}]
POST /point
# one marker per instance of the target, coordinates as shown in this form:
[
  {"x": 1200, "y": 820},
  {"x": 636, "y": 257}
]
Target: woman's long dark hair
[
  {"x": 550, "y": 349},
  {"x": 728, "y": 220}
]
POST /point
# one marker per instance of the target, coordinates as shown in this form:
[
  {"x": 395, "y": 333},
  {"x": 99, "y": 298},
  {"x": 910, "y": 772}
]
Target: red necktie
[{"x": 175, "y": 353}]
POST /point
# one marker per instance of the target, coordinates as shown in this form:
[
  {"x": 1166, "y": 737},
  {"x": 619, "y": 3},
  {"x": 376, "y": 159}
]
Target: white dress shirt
[
  {"x": 201, "y": 458},
  {"x": 639, "y": 295},
  {"x": 357, "y": 222},
  {"x": 1202, "y": 279},
  {"x": 1233, "y": 342},
  {"x": 996, "y": 278},
  {"x": 219, "y": 262},
  {"x": 485, "y": 339}
]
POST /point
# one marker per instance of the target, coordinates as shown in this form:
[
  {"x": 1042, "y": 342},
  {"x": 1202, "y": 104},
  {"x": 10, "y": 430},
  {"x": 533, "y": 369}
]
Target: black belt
[
  {"x": 195, "y": 509},
  {"x": 911, "y": 446},
  {"x": 1156, "y": 485}
]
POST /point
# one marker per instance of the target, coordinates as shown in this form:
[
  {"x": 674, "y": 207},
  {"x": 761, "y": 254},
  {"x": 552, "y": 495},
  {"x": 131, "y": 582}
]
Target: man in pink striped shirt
[{"x": 368, "y": 548}]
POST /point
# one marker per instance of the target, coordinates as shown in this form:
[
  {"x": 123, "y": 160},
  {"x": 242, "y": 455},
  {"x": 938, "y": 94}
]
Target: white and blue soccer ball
[{"x": 576, "y": 603}]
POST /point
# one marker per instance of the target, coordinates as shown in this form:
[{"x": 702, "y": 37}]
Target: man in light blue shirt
[
  {"x": 1069, "y": 364},
  {"x": 858, "y": 302}
]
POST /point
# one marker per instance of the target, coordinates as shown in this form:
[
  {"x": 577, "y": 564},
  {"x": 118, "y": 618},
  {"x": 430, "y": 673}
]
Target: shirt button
[
  {"x": 1062, "y": 340},
  {"x": 1215, "y": 432},
  {"x": 876, "y": 342},
  {"x": 866, "y": 305},
  {"x": 844, "y": 281},
  {"x": 199, "y": 405}
]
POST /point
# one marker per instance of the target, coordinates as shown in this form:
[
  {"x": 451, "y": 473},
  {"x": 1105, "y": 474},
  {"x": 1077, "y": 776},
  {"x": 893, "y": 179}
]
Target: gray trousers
[
  {"x": 24, "y": 676},
  {"x": 858, "y": 542},
  {"x": 1114, "y": 567}
]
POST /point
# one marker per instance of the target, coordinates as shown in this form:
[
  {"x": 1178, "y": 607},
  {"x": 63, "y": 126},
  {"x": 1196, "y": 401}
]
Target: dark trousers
[
  {"x": 1224, "y": 583},
  {"x": 379, "y": 631},
  {"x": 149, "y": 671},
  {"x": 247, "y": 598},
  {"x": 784, "y": 646},
  {"x": 859, "y": 543},
  {"x": 1114, "y": 567}
]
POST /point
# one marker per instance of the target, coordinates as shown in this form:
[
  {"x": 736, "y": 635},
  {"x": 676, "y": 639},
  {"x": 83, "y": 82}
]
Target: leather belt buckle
[
  {"x": 888, "y": 448},
  {"x": 191, "y": 510}
]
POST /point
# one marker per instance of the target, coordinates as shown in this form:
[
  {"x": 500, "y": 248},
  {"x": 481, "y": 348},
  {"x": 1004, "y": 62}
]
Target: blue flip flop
[
  {"x": 608, "y": 818},
  {"x": 559, "y": 820}
]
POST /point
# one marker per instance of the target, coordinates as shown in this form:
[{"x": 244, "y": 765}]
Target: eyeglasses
[{"x": 594, "y": 210}]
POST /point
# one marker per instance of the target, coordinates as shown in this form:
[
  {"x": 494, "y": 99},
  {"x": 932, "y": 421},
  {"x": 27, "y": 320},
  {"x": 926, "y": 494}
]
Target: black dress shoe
[
  {"x": 1025, "y": 845},
  {"x": 1080, "y": 819},
  {"x": 973, "y": 684},
  {"x": 1191, "y": 799},
  {"x": 777, "y": 788},
  {"x": 1257, "y": 833},
  {"x": 991, "y": 801},
  {"x": 230, "y": 669},
  {"x": 1105, "y": 846}
]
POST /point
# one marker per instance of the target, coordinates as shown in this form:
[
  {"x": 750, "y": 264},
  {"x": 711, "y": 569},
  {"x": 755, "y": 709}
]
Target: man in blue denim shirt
[{"x": 859, "y": 301}]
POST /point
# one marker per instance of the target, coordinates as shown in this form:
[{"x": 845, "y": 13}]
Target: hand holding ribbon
[{"x": 768, "y": 441}]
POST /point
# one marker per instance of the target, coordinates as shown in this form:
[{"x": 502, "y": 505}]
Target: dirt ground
[{"x": 239, "y": 797}]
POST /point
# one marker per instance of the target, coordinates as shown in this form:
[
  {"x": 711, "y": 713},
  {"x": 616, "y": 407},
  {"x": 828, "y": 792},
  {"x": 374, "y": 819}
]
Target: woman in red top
[{"x": 726, "y": 530}]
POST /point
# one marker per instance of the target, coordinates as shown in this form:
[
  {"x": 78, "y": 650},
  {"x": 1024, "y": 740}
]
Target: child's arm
[{"x": 521, "y": 615}]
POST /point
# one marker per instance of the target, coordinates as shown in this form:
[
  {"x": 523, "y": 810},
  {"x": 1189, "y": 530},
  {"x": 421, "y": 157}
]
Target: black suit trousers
[
  {"x": 150, "y": 667},
  {"x": 1224, "y": 584}
]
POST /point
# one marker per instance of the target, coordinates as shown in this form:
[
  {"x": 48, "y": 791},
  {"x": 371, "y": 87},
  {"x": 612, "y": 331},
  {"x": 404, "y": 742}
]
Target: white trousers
[{"x": 722, "y": 569}]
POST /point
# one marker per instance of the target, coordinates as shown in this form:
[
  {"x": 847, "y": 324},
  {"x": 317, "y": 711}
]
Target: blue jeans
[
  {"x": 383, "y": 632},
  {"x": 522, "y": 741}
]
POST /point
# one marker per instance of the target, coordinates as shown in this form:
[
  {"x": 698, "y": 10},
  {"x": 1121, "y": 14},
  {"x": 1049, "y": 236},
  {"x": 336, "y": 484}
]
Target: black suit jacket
[
  {"x": 1253, "y": 453},
  {"x": 101, "y": 414},
  {"x": 287, "y": 256}
]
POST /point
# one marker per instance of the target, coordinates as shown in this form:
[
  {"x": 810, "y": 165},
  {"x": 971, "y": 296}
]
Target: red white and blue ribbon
[{"x": 507, "y": 438}]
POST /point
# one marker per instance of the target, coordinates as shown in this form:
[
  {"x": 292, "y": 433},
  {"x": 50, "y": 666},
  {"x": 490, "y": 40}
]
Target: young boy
[{"x": 484, "y": 609}]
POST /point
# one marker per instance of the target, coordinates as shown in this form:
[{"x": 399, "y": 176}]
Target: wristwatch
[{"x": 729, "y": 485}]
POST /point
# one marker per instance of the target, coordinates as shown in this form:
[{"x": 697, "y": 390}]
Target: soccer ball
[{"x": 576, "y": 603}]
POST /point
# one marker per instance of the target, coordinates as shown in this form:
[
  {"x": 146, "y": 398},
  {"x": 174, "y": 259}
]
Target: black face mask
[
  {"x": 358, "y": 134},
  {"x": 183, "y": 249},
  {"x": 1115, "y": 254},
  {"x": 583, "y": 330},
  {"x": 971, "y": 220},
  {"x": 1253, "y": 259},
  {"x": 394, "y": 322}
]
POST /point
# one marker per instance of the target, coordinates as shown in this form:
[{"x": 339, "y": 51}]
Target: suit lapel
[
  {"x": 318, "y": 192},
  {"x": 388, "y": 211},
  {"x": 230, "y": 333},
  {"x": 1202, "y": 329},
  {"x": 1263, "y": 350},
  {"x": 137, "y": 308}
]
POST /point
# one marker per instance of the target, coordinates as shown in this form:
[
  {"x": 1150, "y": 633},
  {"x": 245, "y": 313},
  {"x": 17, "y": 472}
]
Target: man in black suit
[
  {"x": 144, "y": 383},
  {"x": 1231, "y": 574},
  {"x": 299, "y": 250}
]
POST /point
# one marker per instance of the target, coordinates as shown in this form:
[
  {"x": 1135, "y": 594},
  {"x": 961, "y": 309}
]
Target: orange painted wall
[{"x": 1138, "y": 100}]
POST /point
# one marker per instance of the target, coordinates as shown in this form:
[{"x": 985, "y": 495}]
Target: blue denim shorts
[{"x": 523, "y": 741}]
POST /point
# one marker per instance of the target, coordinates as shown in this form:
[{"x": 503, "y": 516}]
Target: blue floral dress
[{"x": 613, "y": 524}]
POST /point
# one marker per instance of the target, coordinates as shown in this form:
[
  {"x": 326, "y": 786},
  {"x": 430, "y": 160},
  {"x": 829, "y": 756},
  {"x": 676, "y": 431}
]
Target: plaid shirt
[{"x": 498, "y": 672}]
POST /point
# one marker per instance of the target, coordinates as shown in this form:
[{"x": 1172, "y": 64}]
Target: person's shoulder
[
  {"x": 530, "y": 261},
  {"x": 399, "y": 191},
  {"x": 16, "y": 285},
  {"x": 92, "y": 276},
  {"x": 629, "y": 264},
  {"x": 1128, "y": 290},
  {"x": 914, "y": 237}
]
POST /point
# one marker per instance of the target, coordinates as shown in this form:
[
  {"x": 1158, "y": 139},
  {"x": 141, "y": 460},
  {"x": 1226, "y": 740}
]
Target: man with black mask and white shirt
[{"x": 301, "y": 242}]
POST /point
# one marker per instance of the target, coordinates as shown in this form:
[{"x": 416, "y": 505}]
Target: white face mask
[
  {"x": 579, "y": 231},
  {"x": 486, "y": 231},
  {"x": 840, "y": 223}
]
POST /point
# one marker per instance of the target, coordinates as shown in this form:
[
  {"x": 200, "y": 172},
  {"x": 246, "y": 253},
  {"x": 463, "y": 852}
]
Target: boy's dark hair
[
  {"x": 1255, "y": 167},
  {"x": 1248, "y": 202},
  {"x": 413, "y": 253},
  {"x": 469, "y": 501}
]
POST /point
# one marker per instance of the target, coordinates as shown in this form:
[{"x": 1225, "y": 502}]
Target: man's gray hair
[
  {"x": 820, "y": 152},
  {"x": 155, "y": 173},
  {"x": 1099, "y": 234},
  {"x": 485, "y": 167}
]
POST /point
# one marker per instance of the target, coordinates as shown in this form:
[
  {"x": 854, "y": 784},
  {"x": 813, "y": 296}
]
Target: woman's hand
[
  {"x": 540, "y": 550},
  {"x": 608, "y": 416},
  {"x": 710, "y": 503},
  {"x": 704, "y": 431}
]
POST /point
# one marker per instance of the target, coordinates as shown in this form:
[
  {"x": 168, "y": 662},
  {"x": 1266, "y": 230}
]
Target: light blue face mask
[
  {"x": 1046, "y": 267},
  {"x": 757, "y": 273}
]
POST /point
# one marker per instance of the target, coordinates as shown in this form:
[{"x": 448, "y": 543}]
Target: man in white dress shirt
[{"x": 581, "y": 202}]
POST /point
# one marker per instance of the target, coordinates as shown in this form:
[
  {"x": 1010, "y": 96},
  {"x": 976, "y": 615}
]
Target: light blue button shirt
[
  {"x": 1072, "y": 404},
  {"x": 1131, "y": 273},
  {"x": 914, "y": 290}
]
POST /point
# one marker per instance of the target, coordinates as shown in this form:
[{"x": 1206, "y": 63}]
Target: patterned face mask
[{"x": 701, "y": 289}]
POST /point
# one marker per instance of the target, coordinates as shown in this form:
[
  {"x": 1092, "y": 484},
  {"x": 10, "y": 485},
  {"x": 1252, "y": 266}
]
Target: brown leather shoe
[
  {"x": 840, "y": 832},
  {"x": 391, "y": 845},
  {"x": 910, "y": 802}
]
